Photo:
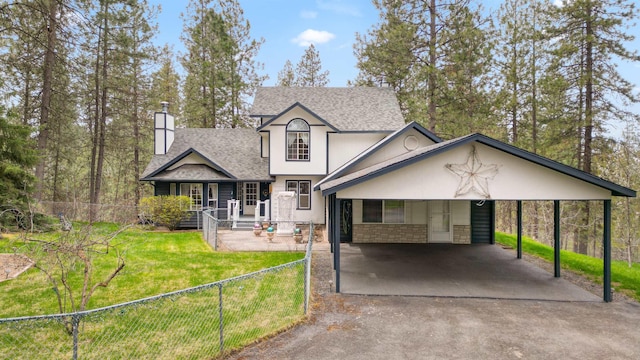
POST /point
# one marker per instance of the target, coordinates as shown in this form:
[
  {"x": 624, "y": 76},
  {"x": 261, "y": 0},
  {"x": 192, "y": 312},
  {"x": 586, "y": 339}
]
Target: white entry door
[
  {"x": 249, "y": 197},
  {"x": 439, "y": 221}
]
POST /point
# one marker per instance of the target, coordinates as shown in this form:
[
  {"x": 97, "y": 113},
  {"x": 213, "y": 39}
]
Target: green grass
[
  {"x": 623, "y": 277},
  {"x": 184, "y": 325},
  {"x": 156, "y": 263}
]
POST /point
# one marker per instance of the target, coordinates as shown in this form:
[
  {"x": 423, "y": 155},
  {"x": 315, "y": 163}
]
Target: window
[
  {"x": 193, "y": 191},
  {"x": 383, "y": 211},
  {"x": 298, "y": 140},
  {"x": 302, "y": 188},
  {"x": 212, "y": 199}
]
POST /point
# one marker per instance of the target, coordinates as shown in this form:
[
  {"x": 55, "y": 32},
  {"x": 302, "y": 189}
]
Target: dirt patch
[{"x": 12, "y": 265}]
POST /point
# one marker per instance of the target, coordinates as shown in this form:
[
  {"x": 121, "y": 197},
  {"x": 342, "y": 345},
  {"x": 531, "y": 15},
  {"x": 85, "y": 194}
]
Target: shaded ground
[{"x": 400, "y": 327}]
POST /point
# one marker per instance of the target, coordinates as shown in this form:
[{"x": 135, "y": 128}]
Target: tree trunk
[
  {"x": 45, "y": 106},
  {"x": 432, "y": 67}
]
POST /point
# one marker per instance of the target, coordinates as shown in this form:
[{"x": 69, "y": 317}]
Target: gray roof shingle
[
  {"x": 234, "y": 151},
  {"x": 346, "y": 108}
]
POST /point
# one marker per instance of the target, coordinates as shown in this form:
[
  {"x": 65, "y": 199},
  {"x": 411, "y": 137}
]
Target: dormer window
[{"x": 297, "y": 140}]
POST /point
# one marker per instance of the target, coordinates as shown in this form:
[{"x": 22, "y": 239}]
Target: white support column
[
  {"x": 267, "y": 210},
  {"x": 256, "y": 213},
  {"x": 236, "y": 213},
  {"x": 229, "y": 208}
]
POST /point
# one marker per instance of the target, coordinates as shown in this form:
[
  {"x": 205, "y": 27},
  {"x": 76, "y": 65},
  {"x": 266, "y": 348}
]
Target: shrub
[{"x": 165, "y": 210}]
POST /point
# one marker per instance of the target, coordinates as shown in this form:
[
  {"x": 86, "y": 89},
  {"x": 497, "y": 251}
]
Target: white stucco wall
[
  {"x": 317, "y": 164},
  {"x": 265, "y": 144},
  {"x": 394, "y": 148},
  {"x": 517, "y": 179},
  {"x": 344, "y": 147},
  {"x": 317, "y": 211}
]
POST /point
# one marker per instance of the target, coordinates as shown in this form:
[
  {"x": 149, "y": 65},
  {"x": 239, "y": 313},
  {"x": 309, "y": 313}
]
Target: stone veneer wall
[
  {"x": 390, "y": 233},
  {"x": 462, "y": 234}
]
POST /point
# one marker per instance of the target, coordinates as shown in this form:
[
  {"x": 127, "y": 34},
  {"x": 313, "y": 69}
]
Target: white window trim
[
  {"x": 193, "y": 206},
  {"x": 297, "y": 191}
]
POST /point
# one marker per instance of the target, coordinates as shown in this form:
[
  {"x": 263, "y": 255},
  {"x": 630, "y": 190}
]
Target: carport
[
  {"x": 460, "y": 173},
  {"x": 448, "y": 270}
]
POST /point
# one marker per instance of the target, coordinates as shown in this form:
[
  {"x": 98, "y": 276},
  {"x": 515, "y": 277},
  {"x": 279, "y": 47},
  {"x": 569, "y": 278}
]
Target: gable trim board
[{"x": 399, "y": 162}]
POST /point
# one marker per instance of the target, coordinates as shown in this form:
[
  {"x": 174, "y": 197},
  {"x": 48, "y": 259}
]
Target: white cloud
[
  {"x": 307, "y": 14},
  {"x": 311, "y": 36},
  {"x": 338, "y": 6}
]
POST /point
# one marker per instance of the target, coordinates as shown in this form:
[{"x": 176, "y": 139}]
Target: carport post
[
  {"x": 336, "y": 241},
  {"x": 556, "y": 238},
  {"x": 606, "y": 251},
  {"x": 519, "y": 211}
]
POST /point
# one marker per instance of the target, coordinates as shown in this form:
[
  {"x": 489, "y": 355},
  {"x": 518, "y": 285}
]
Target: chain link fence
[
  {"x": 79, "y": 211},
  {"x": 196, "y": 323}
]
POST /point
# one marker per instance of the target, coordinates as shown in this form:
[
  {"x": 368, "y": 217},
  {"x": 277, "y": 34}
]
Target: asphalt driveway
[{"x": 411, "y": 327}]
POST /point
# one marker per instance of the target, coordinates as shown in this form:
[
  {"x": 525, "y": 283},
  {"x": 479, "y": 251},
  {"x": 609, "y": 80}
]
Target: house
[{"x": 345, "y": 157}]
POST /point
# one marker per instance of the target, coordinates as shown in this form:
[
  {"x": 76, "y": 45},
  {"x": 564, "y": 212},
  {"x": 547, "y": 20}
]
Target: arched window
[{"x": 297, "y": 140}]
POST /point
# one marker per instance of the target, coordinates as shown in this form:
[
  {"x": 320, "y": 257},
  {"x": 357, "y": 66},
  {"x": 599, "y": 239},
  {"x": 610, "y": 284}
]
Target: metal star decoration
[{"x": 474, "y": 175}]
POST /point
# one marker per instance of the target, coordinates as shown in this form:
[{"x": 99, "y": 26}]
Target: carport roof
[{"x": 333, "y": 186}]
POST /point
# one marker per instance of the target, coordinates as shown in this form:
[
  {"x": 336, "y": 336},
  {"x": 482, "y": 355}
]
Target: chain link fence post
[{"x": 221, "y": 318}]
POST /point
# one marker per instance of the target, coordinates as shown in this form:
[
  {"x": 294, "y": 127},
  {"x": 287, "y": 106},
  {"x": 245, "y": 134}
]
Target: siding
[
  {"x": 482, "y": 223},
  {"x": 162, "y": 188}
]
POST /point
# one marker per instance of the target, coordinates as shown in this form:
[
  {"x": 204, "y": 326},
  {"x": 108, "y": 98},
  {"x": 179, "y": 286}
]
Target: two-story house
[{"x": 345, "y": 157}]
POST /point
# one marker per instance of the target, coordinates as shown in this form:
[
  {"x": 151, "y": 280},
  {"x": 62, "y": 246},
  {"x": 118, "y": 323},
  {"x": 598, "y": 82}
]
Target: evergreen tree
[
  {"x": 17, "y": 157},
  {"x": 433, "y": 54},
  {"x": 220, "y": 64},
  {"x": 165, "y": 85},
  {"x": 309, "y": 69},
  {"x": 286, "y": 76}
]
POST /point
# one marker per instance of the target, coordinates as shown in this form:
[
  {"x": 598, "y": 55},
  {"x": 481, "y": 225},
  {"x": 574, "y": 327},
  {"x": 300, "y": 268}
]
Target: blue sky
[{"x": 289, "y": 25}]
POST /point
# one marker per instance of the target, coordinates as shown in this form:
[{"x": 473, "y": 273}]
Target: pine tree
[
  {"x": 586, "y": 35},
  {"x": 220, "y": 64},
  {"x": 286, "y": 76},
  {"x": 309, "y": 70},
  {"x": 424, "y": 49},
  {"x": 17, "y": 156}
]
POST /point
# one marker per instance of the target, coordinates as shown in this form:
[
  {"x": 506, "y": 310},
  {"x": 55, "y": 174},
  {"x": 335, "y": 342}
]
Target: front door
[
  {"x": 249, "y": 197},
  {"x": 439, "y": 221}
]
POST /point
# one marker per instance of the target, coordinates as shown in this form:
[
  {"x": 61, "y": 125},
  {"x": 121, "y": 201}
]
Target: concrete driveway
[
  {"x": 409, "y": 327},
  {"x": 477, "y": 270}
]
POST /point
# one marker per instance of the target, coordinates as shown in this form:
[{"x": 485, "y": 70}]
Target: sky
[{"x": 289, "y": 26}]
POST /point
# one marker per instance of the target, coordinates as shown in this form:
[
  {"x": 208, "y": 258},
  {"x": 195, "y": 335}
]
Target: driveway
[{"x": 409, "y": 327}]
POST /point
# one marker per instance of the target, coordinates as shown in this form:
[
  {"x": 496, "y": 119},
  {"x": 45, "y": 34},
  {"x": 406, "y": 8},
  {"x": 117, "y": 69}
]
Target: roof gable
[
  {"x": 351, "y": 164},
  {"x": 287, "y": 110},
  {"x": 415, "y": 156},
  {"x": 231, "y": 152},
  {"x": 346, "y": 109},
  {"x": 183, "y": 156}
]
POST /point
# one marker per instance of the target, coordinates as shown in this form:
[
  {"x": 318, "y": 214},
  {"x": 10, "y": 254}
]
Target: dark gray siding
[
  {"x": 226, "y": 191},
  {"x": 482, "y": 222},
  {"x": 162, "y": 188},
  {"x": 193, "y": 221}
]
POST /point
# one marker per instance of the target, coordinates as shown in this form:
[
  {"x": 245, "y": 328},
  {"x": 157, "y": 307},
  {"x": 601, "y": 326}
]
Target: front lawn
[
  {"x": 156, "y": 263},
  {"x": 623, "y": 277}
]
